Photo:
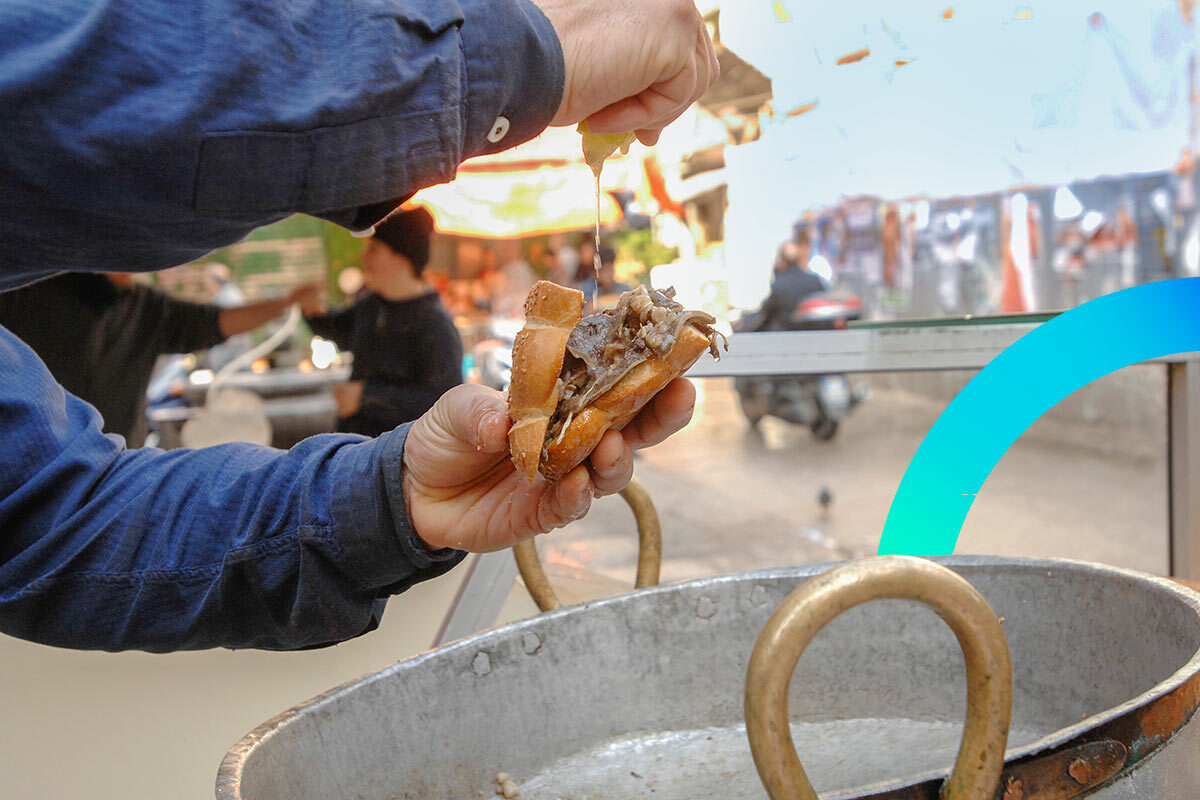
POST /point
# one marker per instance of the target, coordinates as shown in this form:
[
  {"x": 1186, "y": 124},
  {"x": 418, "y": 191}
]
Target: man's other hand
[
  {"x": 348, "y": 397},
  {"x": 311, "y": 299},
  {"x": 463, "y": 491},
  {"x": 631, "y": 65}
]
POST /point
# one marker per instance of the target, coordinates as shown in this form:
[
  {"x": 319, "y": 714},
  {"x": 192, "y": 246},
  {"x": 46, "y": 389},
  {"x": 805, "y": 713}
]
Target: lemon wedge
[{"x": 599, "y": 146}]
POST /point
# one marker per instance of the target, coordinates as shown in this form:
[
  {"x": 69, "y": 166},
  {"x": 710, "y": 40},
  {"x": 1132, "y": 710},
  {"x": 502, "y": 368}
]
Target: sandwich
[{"x": 575, "y": 377}]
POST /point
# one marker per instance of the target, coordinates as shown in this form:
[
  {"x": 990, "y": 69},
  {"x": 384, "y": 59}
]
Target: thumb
[{"x": 468, "y": 417}]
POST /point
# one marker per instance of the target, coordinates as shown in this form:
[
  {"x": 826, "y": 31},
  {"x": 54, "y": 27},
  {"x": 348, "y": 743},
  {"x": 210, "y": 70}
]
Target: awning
[{"x": 540, "y": 187}]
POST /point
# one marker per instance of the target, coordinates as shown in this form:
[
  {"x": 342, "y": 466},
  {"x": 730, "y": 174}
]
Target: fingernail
[
  {"x": 583, "y": 502},
  {"x": 487, "y": 419}
]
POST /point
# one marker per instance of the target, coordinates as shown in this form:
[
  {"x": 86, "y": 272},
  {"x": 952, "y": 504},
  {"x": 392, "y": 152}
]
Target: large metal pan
[{"x": 641, "y": 696}]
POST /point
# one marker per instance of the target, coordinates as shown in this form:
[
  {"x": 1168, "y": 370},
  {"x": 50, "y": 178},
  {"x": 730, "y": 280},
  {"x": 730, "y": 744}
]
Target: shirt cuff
[
  {"x": 514, "y": 74},
  {"x": 375, "y": 535}
]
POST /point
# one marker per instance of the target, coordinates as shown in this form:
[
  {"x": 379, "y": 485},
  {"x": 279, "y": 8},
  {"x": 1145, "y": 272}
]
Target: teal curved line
[{"x": 1016, "y": 388}]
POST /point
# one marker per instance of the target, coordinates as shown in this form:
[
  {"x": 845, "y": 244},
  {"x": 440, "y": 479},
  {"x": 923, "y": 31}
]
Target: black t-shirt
[
  {"x": 101, "y": 341},
  {"x": 789, "y": 287},
  {"x": 407, "y": 353}
]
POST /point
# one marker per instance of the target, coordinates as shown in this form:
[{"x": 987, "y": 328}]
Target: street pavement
[{"x": 733, "y": 499}]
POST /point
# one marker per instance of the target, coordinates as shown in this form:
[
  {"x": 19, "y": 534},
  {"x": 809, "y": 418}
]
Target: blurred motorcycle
[
  {"x": 819, "y": 402},
  {"x": 492, "y": 356}
]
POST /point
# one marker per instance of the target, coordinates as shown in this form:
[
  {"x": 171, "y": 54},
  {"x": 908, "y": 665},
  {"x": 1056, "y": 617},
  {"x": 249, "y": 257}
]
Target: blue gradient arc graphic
[{"x": 1016, "y": 388}]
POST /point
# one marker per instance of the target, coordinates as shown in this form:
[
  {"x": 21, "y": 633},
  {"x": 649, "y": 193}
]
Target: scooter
[
  {"x": 819, "y": 402},
  {"x": 492, "y": 357}
]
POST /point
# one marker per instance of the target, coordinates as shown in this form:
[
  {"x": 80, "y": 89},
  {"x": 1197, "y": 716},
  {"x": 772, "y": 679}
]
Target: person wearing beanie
[
  {"x": 606, "y": 283},
  {"x": 407, "y": 352}
]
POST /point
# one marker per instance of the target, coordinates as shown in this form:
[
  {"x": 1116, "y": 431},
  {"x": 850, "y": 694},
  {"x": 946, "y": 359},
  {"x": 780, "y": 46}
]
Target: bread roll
[{"x": 551, "y": 313}]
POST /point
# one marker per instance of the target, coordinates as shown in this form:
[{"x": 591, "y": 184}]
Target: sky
[{"x": 1002, "y": 94}]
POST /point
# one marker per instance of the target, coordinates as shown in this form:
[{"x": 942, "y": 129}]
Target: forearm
[
  {"x": 248, "y": 317},
  {"x": 232, "y": 546}
]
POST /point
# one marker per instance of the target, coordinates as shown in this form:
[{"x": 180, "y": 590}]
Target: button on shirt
[{"x": 131, "y": 143}]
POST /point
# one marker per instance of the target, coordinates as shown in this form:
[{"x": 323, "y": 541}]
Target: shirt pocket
[{"x": 245, "y": 174}]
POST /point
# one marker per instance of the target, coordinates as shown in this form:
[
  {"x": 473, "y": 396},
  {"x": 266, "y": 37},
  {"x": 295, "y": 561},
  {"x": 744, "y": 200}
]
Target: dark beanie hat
[{"x": 407, "y": 233}]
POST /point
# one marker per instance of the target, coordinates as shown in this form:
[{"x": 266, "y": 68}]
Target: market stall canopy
[{"x": 539, "y": 187}]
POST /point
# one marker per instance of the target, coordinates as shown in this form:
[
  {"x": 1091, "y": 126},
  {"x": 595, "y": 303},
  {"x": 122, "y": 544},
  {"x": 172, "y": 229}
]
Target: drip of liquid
[
  {"x": 597, "y": 148},
  {"x": 596, "y": 251}
]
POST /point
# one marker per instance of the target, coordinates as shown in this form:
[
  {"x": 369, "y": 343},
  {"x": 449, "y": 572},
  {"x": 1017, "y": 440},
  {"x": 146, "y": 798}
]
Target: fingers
[
  {"x": 611, "y": 464},
  {"x": 649, "y": 137},
  {"x": 659, "y": 104},
  {"x": 678, "y": 86},
  {"x": 669, "y": 411},
  {"x": 565, "y": 501},
  {"x": 651, "y": 109}
]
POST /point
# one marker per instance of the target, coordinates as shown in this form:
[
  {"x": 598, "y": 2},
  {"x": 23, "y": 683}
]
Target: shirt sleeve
[
  {"x": 230, "y": 546},
  {"x": 336, "y": 326},
  {"x": 179, "y": 326},
  {"x": 140, "y": 134}
]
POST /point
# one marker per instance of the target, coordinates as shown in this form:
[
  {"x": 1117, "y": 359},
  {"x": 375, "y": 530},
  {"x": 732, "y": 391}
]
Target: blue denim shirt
[{"x": 139, "y": 134}]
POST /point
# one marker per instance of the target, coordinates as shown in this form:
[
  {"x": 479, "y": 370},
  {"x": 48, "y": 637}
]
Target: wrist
[
  {"x": 564, "y": 19},
  {"x": 515, "y": 74},
  {"x": 367, "y": 516},
  {"x": 411, "y": 501}
]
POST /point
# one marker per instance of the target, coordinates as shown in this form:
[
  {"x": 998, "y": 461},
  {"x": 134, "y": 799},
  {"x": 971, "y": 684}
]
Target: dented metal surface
[{"x": 618, "y": 697}]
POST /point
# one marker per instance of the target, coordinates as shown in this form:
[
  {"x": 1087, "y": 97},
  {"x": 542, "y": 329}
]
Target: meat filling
[{"x": 604, "y": 347}]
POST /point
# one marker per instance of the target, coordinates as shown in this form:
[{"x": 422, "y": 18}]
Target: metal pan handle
[
  {"x": 649, "y": 550},
  {"x": 811, "y": 607}
]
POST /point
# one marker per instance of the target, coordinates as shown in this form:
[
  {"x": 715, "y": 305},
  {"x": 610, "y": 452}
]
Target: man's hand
[
  {"x": 463, "y": 491},
  {"x": 310, "y": 297},
  {"x": 348, "y": 397},
  {"x": 631, "y": 65}
]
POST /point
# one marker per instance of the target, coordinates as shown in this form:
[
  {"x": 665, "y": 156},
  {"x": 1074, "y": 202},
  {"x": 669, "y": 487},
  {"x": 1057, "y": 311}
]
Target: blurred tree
[
  {"x": 341, "y": 250},
  {"x": 640, "y": 248}
]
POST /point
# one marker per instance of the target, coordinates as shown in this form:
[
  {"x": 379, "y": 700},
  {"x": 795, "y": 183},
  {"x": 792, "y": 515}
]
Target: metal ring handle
[
  {"x": 811, "y": 607},
  {"x": 649, "y": 550}
]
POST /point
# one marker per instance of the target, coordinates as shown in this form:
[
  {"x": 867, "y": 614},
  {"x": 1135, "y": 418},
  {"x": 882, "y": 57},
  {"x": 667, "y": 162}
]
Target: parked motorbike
[
  {"x": 819, "y": 402},
  {"x": 492, "y": 358}
]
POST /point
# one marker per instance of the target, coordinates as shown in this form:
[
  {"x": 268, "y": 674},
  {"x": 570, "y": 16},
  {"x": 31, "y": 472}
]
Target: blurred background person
[
  {"x": 101, "y": 334},
  {"x": 791, "y": 283},
  {"x": 515, "y": 279},
  {"x": 566, "y": 260},
  {"x": 407, "y": 352},
  {"x": 585, "y": 266},
  {"x": 487, "y": 281},
  {"x": 607, "y": 284},
  {"x": 225, "y": 293}
]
